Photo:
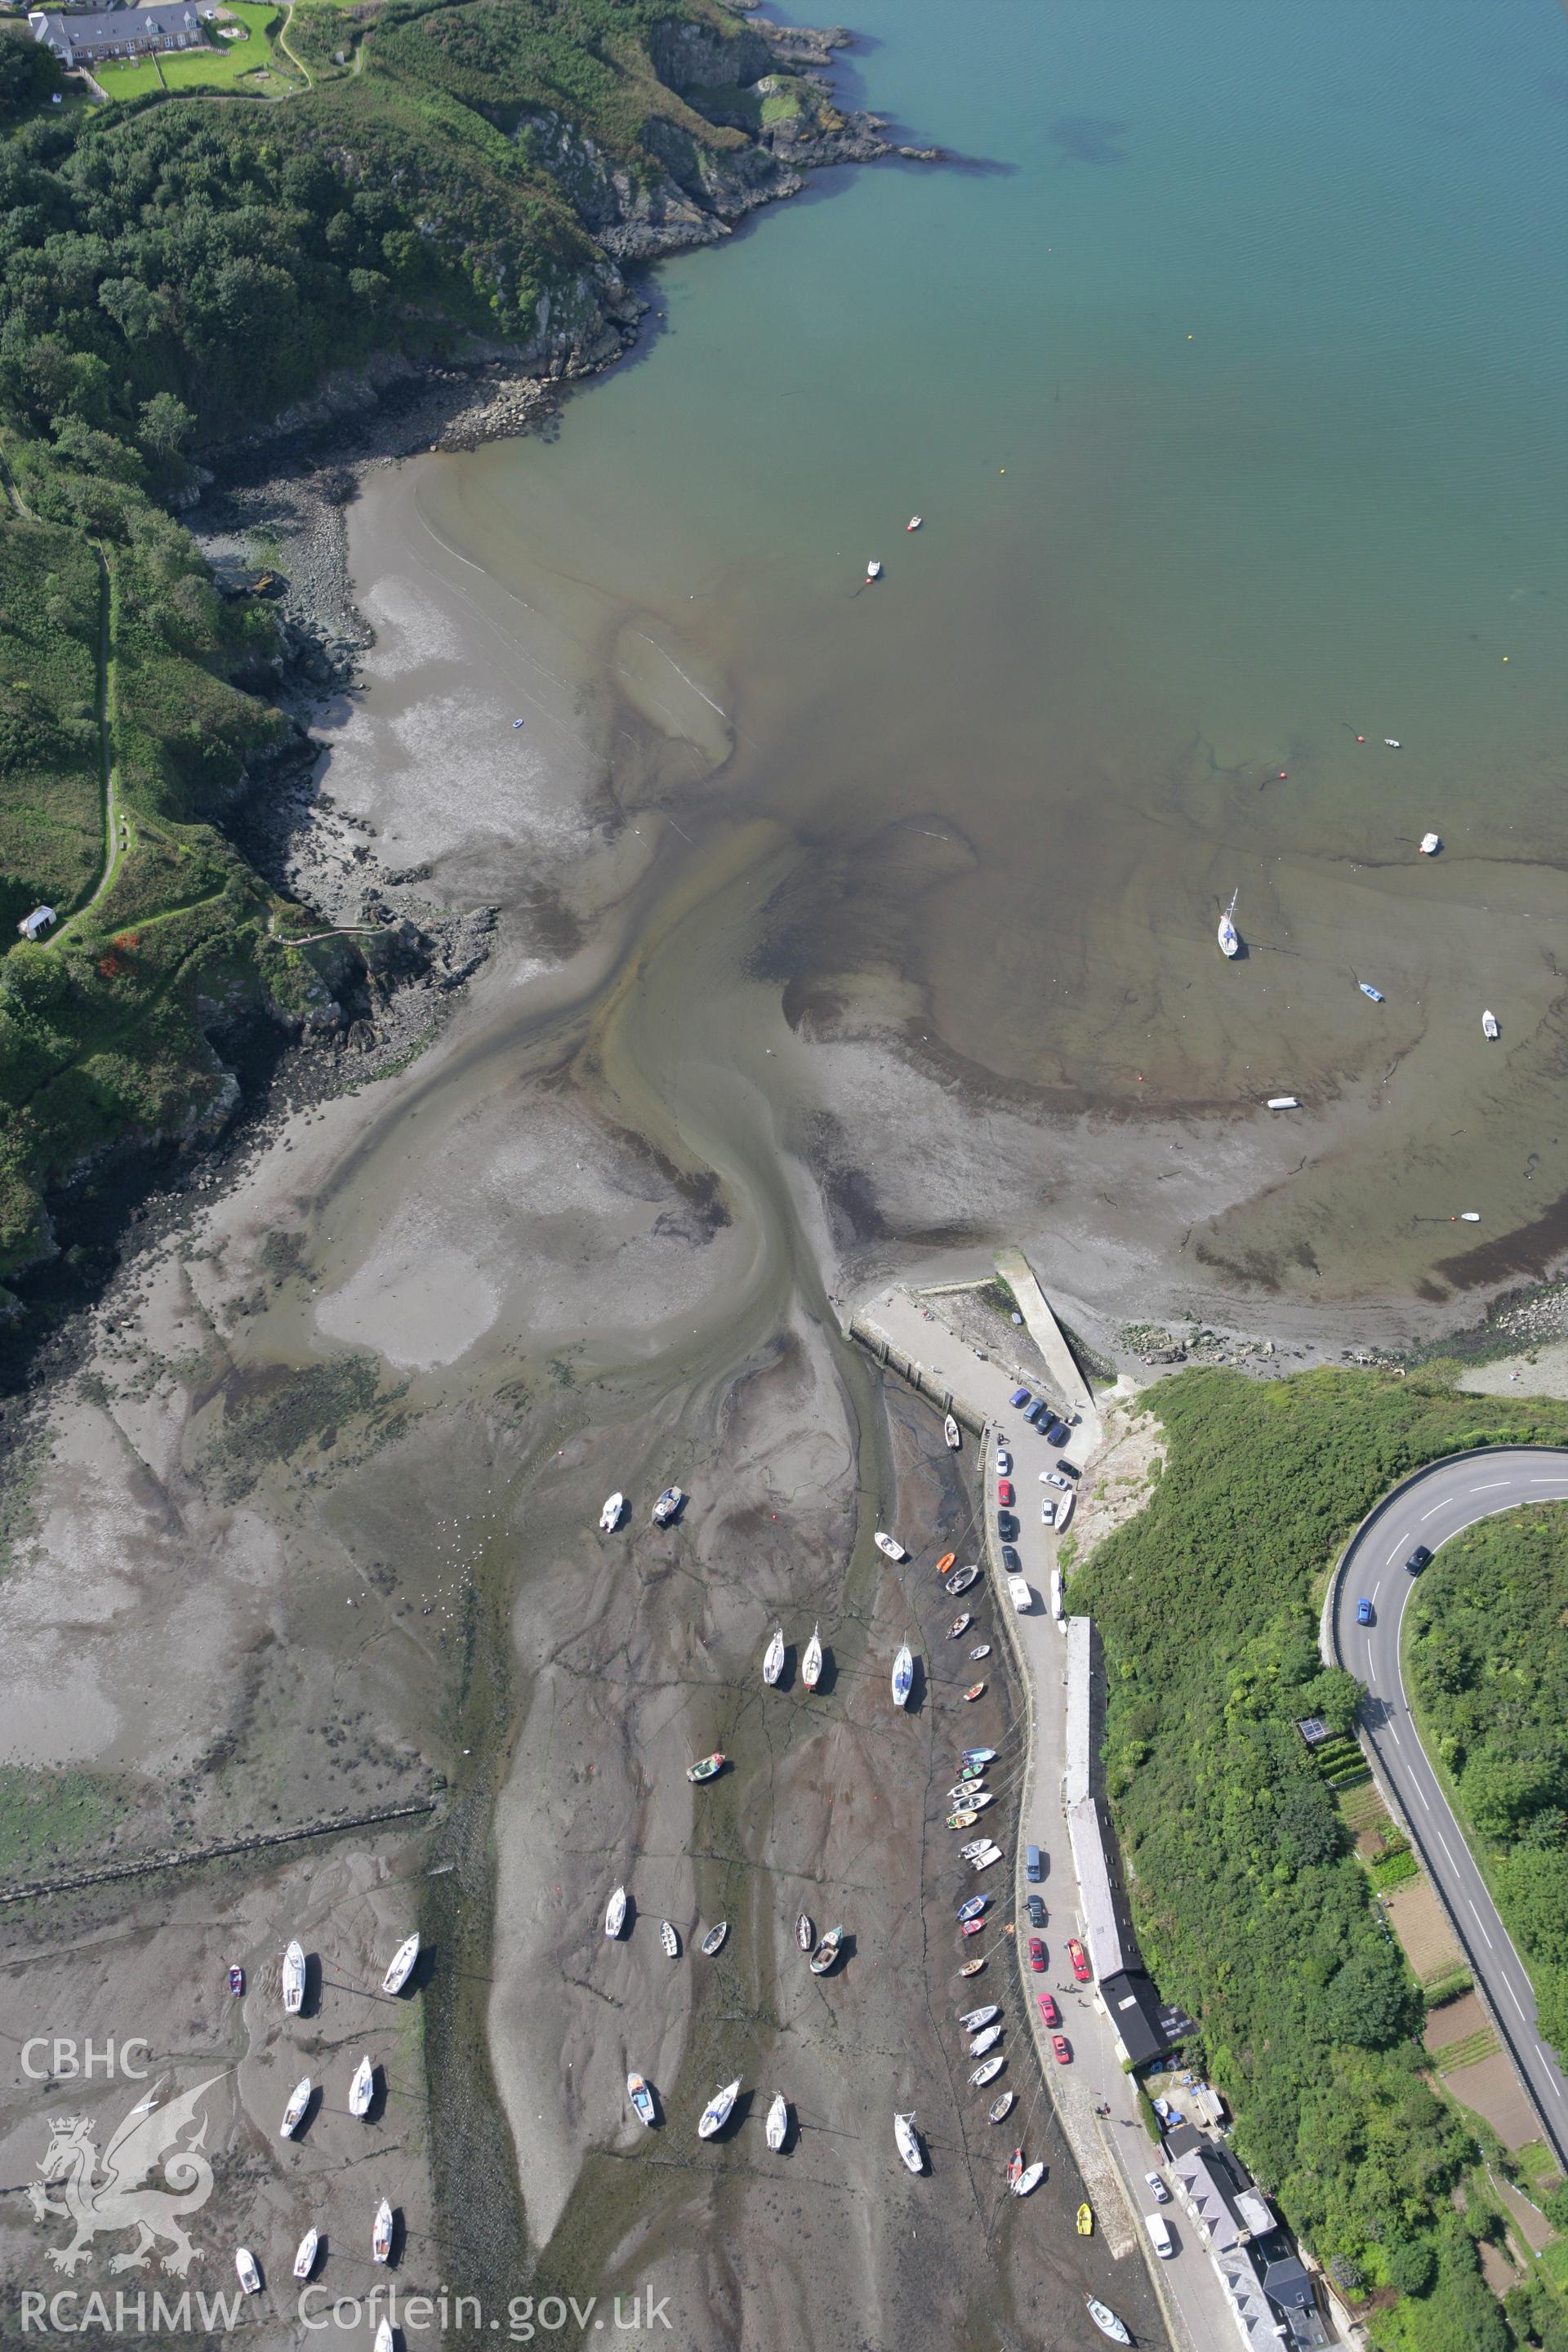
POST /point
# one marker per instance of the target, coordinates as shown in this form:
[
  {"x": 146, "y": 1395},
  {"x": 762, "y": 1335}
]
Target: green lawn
[{"x": 219, "y": 65}]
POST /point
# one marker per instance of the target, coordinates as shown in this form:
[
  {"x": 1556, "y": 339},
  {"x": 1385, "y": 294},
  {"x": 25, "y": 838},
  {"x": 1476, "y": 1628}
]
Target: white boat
[
  {"x": 1228, "y": 942},
  {"x": 385, "y": 2339},
  {"x": 1469, "y": 1216},
  {"x": 1064, "y": 1508},
  {"x": 668, "y": 1506},
  {"x": 827, "y": 1952},
  {"x": 669, "y": 1940},
  {"x": 777, "y": 2124},
  {"x": 249, "y": 2276},
  {"x": 610, "y": 1516},
  {"x": 949, "y": 1430},
  {"x": 805, "y": 1933},
  {"x": 890, "y": 1545},
  {"x": 981, "y": 1650},
  {"x": 293, "y": 2114},
  {"x": 362, "y": 2090},
  {"x": 772, "y": 1662},
  {"x": 402, "y": 1968},
  {"x": 914, "y": 522},
  {"x": 714, "y": 1938},
  {"x": 1284, "y": 1102},
  {"x": 987, "y": 2071},
  {"x": 293, "y": 1980},
  {"x": 1488, "y": 1024},
  {"x": 974, "y": 2018},
  {"x": 305, "y": 2253},
  {"x": 908, "y": 2142},
  {"x": 1000, "y": 2109},
  {"x": 903, "y": 1675},
  {"x": 716, "y": 2113},
  {"x": 874, "y": 569},
  {"x": 1029, "y": 2178},
  {"x": 985, "y": 2040},
  {"x": 1367, "y": 989},
  {"x": 1431, "y": 843},
  {"x": 977, "y": 1799},
  {"x": 641, "y": 2097},
  {"x": 811, "y": 1665},
  {"x": 961, "y": 1580},
  {"x": 960, "y": 1625},
  {"x": 1105, "y": 2319},
  {"x": 983, "y": 1860},
  {"x": 381, "y": 2233},
  {"x": 975, "y": 1845},
  {"x": 1394, "y": 742},
  {"x": 615, "y": 1912}
]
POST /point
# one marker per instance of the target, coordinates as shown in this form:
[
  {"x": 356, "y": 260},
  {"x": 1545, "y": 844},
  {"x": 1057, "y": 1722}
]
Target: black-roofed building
[{"x": 1145, "y": 2026}]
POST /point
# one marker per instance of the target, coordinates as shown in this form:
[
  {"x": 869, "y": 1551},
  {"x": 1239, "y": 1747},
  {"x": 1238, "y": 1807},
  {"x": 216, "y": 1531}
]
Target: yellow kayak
[{"x": 1085, "y": 2222}]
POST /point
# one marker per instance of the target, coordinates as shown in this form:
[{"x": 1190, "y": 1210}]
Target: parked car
[
  {"x": 1159, "y": 2229},
  {"x": 1055, "y": 1479},
  {"x": 1079, "y": 1960},
  {"x": 1048, "y": 2008},
  {"x": 1036, "y": 1910},
  {"x": 1057, "y": 1433},
  {"x": 1364, "y": 1612},
  {"x": 1061, "y": 2050},
  {"x": 1006, "y": 1526},
  {"x": 1048, "y": 1512},
  {"x": 1020, "y": 1397},
  {"x": 1019, "y": 1590},
  {"x": 1034, "y": 1867},
  {"x": 1069, "y": 1469},
  {"x": 1004, "y": 1491},
  {"x": 1039, "y": 1413},
  {"x": 1157, "y": 2188},
  {"x": 1004, "y": 1462},
  {"x": 1011, "y": 1563},
  {"x": 1418, "y": 1559},
  {"x": 1036, "y": 1956}
]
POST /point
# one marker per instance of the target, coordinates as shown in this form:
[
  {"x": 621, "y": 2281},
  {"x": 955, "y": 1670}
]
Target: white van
[
  {"x": 1159, "y": 2229},
  {"x": 1018, "y": 1592}
]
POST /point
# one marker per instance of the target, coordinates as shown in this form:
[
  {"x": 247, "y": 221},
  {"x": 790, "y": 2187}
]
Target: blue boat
[
  {"x": 973, "y": 1908},
  {"x": 1367, "y": 989}
]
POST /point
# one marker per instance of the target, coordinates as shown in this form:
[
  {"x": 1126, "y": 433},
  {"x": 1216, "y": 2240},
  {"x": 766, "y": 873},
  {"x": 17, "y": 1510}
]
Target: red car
[
  {"x": 1061, "y": 2050},
  {"x": 1036, "y": 1956},
  {"x": 1004, "y": 1492},
  {"x": 1079, "y": 1960},
  {"x": 1048, "y": 2008}
]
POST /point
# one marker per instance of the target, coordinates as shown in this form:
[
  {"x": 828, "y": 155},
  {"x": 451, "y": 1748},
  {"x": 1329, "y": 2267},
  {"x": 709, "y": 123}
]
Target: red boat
[{"x": 1015, "y": 2167}]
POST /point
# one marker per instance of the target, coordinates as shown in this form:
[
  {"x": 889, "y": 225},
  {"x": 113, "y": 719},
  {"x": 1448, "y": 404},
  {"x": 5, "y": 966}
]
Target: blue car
[
  {"x": 1364, "y": 1612},
  {"x": 1020, "y": 1396}
]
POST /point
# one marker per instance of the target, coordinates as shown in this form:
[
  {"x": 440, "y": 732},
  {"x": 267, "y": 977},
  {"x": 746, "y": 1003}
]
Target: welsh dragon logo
[{"x": 121, "y": 2192}]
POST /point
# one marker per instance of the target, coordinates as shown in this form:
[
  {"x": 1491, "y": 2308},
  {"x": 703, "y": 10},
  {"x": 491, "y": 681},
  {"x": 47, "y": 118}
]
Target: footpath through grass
[{"x": 1252, "y": 1908}]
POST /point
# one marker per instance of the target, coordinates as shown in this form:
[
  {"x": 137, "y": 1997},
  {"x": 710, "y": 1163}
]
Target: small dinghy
[
  {"x": 1029, "y": 2179},
  {"x": 978, "y": 1756},
  {"x": 986, "y": 2071},
  {"x": 960, "y": 1625},
  {"x": 961, "y": 1581},
  {"x": 1064, "y": 1508},
  {"x": 610, "y": 1516},
  {"x": 1000, "y": 2109},
  {"x": 1431, "y": 843},
  {"x": 402, "y": 1968},
  {"x": 907, "y": 2141},
  {"x": 362, "y": 2090},
  {"x": 1488, "y": 1024},
  {"x": 945, "y": 1562},
  {"x": 1085, "y": 2222},
  {"x": 984, "y": 2040},
  {"x": 714, "y": 1938},
  {"x": 293, "y": 1980},
  {"x": 385, "y": 2339},
  {"x": 1015, "y": 2167},
  {"x": 974, "y": 2018},
  {"x": 980, "y": 1797},
  {"x": 914, "y": 522},
  {"x": 972, "y": 1968},
  {"x": 615, "y": 1912},
  {"x": 716, "y": 2113},
  {"x": 774, "y": 1659},
  {"x": 1284, "y": 1102},
  {"x": 668, "y": 1506},
  {"x": 249, "y": 2276},
  {"x": 305, "y": 2253},
  {"x": 984, "y": 1861},
  {"x": 1229, "y": 944},
  {"x": 826, "y": 1952},
  {"x": 1105, "y": 2319},
  {"x": 1394, "y": 743},
  {"x": 805, "y": 1933},
  {"x": 975, "y": 1845},
  {"x": 1367, "y": 989},
  {"x": 971, "y": 1926},
  {"x": 950, "y": 1432},
  {"x": 237, "y": 1980},
  {"x": 641, "y": 2097},
  {"x": 811, "y": 1665},
  {"x": 777, "y": 2126},
  {"x": 381, "y": 2233},
  {"x": 964, "y": 1820},
  {"x": 975, "y": 1690},
  {"x": 903, "y": 1675},
  {"x": 669, "y": 1940},
  {"x": 1469, "y": 1216},
  {"x": 981, "y": 1650},
  {"x": 706, "y": 1767},
  {"x": 890, "y": 1545},
  {"x": 873, "y": 569},
  {"x": 293, "y": 2114},
  {"x": 973, "y": 1908}
]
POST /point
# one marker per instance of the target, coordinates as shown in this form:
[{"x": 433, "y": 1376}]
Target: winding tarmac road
[{"x": 1430, "y": 1510}]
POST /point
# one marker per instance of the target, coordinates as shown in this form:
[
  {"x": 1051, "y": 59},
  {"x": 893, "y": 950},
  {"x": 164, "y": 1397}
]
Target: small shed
[{"x": 33, "y": 925}]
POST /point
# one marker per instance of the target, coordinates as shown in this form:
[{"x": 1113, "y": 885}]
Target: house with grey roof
[{"x": 87, "y": 38}]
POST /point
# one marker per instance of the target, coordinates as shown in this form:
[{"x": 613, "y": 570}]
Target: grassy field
[
  {"x": 51, "y": 803},
  {"x": 218, "y": 65}
]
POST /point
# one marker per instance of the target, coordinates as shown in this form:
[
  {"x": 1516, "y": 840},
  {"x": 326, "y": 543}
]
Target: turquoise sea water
[{"x": 1227, "y": 370}]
